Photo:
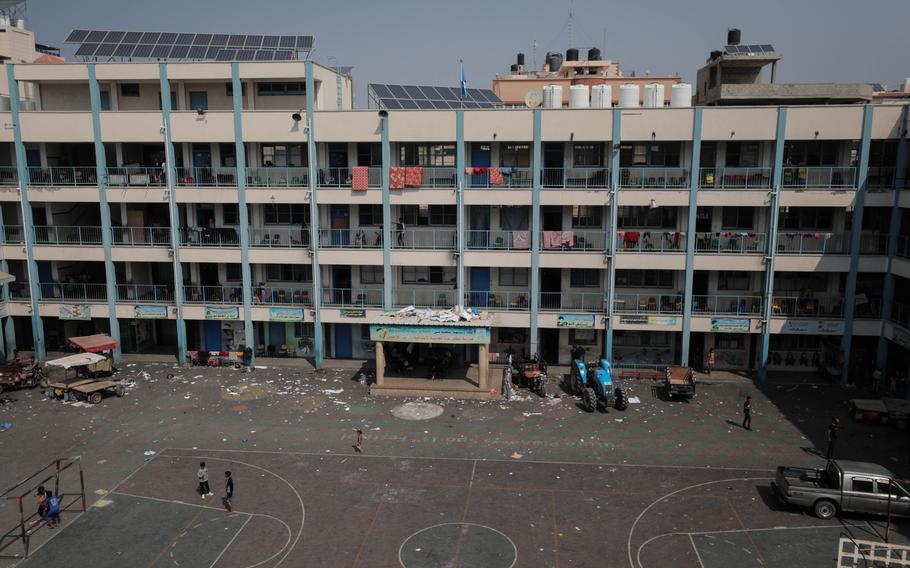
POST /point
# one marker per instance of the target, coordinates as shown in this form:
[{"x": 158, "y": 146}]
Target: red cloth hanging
[
  {"x": 413, "y": 176},
  {"x": 496, "y": 176},
  {"x": 360, "y": 178},
  {"x": 396, "y": 177}
]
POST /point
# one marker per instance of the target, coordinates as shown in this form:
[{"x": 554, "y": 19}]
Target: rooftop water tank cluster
[{"x": 630, "y": 96}]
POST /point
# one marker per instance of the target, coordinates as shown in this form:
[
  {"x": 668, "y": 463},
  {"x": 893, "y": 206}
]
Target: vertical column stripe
[
  {"x": 244, "y": 214},
  {"x": 614, "y": 219},
  {"x": 460, "y": 208},
  {"x": 318, "y": 343},
  {"x": 694, "y": 178},
  {"x": 535, "y": 233},
  {"x": 387, "y": 282}
]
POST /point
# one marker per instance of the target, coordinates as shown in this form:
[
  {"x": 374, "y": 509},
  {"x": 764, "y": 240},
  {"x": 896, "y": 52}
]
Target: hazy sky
[{"x": 421, "y": 41}]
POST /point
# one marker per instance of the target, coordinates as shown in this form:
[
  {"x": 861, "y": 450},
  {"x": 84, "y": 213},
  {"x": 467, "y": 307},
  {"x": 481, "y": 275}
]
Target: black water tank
[
  {"x": 554, "y": 60},
  {"x": 733, "y": 36},
  {"x": 521, "y": 58},
  {"x": 571, "y": 54},
  {"x": 513, "y": 68},
  {"x": 593, "y": 54},
  {"x": 715, "y": 54}
]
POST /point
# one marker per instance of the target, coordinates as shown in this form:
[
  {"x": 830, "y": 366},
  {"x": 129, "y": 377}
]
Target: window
[
  {"x": 644, "y": 278},
  {"x": 129, "y": 89},
  {"x": 737, "y": 218},
  {"x": 807, "y": 218},
  {"x": 284, "y": 155},
  {"x": 514, "y": 335},
  {"x": 647, "y": 218},
  {"x": 811, "y": 152},
  {"x": 863, "y": 485},
  {"x": 427, "y": 155},
  {"x": 371, "y": 274},
  {"x": 586, "y": 216},
  {"x": 231, "y": 213},
  {"x": 229, "y": 89},
  {"x": 800, "y": 282},
  {"x": 425, "y": 215},
  {"x": 369, "y": 154},
  {"x": 285, "y": 214},
  {"x": 513, "y": 276},
  {"x": 281, "y": 89},
  {"x": 233, "y": 273},
  {"x": 105, "y": 100},
  {"x": 731, "y": 280},
  {"x": 743, "y": 154},
  {"x": 369, "y": 215},
  {"x": 588, "y": 154},
  {"x": 427, "y": 274},
  {"x": 660, "y": 154},
  {"x": 582, "y": 337},
  {"x": 173, "y": 100},
  {"x": 289, "y": 272},
  {"x": 515, "y": 155},
  {"x": 584, "y": 278},
  {"x": 228, "y": 155}
]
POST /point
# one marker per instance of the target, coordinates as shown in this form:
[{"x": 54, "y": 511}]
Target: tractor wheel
[
  {"x": 95, "y": 397},
  {"x": 577, "y": 385},
  {"x": 589, "y": 399},
  {"x": 621, "y": 403}
]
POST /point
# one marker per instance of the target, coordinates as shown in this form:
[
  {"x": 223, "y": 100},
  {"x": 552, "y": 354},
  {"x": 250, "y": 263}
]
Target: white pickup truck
[{"x": 843, "y": 486}]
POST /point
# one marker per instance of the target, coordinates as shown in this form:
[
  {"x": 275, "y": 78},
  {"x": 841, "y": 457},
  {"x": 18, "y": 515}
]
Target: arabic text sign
[
  {"x": 150, "y": 312},
  {"x": 575, "y": 321},
  {"x": 75, "y": 312},
  {"x": 286, "y": 314},
  {"x": 221, "y": 313},
  {"x": 430, "y": 334},
  {"x": 729, "y": 325},
  {"x": 814, "y": 327}
]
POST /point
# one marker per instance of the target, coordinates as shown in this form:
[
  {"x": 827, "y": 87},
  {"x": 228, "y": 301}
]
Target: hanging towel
[
  {"x": 360, "y": 179},
  {"x": 495, "y": 176},
  {"x": 552, "y": 239},
  {"x": 521, "y": 240},
  {"x": 413, "y": 176},
  {"x": 567, "y": 239},
  {"x": 396, "y": 177}
]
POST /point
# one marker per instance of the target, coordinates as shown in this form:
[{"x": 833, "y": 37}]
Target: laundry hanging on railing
[
  {"x": 521, "y": 240},
  {"x": 413, "y": 176},
  {"x": 360, "y": 178},
  {"x": 495, "y": 176},
  {"x": 396, "y": 177}
]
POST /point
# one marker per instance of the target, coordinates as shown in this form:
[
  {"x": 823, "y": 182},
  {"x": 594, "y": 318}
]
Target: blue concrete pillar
[
  {"x": 106, "y": 231},
  {"x": 459, "y": 205},
  {"x": 318, "y": 343},
  {"x": 694, "y": 178},
  {"x": 535, "y": 233},
  {"x": 614, "y": 220},
  {"x": 862, "y": 174},
  {"x": 9, "y": 330},
  {"x": 387, "y": 281},
  {"x": 244, "y": 214},
  {"x": 28, "y": 225},
  {"x": 173, "y": 212}
]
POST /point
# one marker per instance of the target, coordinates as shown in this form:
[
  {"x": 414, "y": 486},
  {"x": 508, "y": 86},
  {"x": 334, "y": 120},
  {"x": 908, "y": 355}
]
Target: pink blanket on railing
[
  {"x": 360, "y": 178},
  {"x": 558, "y": 239},
  {"x": 521, "y": 240}
]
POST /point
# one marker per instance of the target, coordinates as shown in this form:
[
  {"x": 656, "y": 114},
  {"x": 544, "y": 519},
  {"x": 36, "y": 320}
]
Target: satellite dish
[{"x": 533, "y": 98}]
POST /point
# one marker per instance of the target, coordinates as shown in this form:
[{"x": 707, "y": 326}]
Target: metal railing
[
  {"x": 429, "y": 298},
  {"x": 583, "y": 301},
  {"x": 437, "y": 238},
  {"x": 65, "y": 176},
  {"x": 146, "y": 293},
  {"x": 498, "y": 300},
  {"x": 277, "y": 294},
  {"x": 62, "y": 235},
  {"x": 136, "y": 176},
  {"x": 900, "y": 313},
  {"x": 9, "y": 176},
  {"x": 650, "y": 241},
  {"x": 881, "y": 177},
  {"x": 361, "y": 237},
  {"x": 72, "y": 291},
  {"x": 734, "y": 178},
  {"x": 344, "y": 177},
  {"x": 478, "y": 239},
  {"x": 279, "y": 237},
  {"x": 874, "y": 244},
  {"x": 574, "y": 240},
  {"x": 789, "y": 242},
  {"x": 654, "y": 178},
  {"x": 13, "y": 234},
  {"x": 512, "y": 178},
  {"x": 818, "y": 177},
  {"x": 648, "y": 303},
  {"x": 796, "y": 306},
  {"x": 195, "y": 294},
  {"x": 219, "y": 237},
  {"x": 727, "y": 305},
  {"x": 271, "y": 176},
  {"x": 207, "y": 177},
  {"x": 438, "y": 177},
  {"x": 731, "y": 242},
  {"x": 355, "y": 297},
  {"x": 575, "y": 178},
  {"x": 141, "y": 236}
]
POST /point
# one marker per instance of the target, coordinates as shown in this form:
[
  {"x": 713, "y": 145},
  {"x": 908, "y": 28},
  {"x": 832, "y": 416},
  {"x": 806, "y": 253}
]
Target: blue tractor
[{"x": 594, "y": 383}]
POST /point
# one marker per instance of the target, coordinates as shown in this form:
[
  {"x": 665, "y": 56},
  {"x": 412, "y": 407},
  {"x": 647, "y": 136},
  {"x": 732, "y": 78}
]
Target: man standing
[
  {"x": 711, "y": 360},
  {"x": 202, "y": 475},
  {"x": 399, "y": 229},
  {"x": 228, "y": 499},
  {"x": 747, "y": 413},
  {"x": 832, "y": 438}
]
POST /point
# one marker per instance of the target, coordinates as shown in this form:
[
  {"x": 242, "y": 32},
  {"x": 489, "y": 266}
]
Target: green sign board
[
  {"x": 729, "y": 325},
  {"x": 221, "y": 313},
  {"x": 575, "y": 321},
  {"x": 286, "y": 314},
  {"x": 150, "y": 312},
  {"x": 430, "y": 334},
  {"x": 75, "y": 312},
  {"x": 353, "y": 313}
]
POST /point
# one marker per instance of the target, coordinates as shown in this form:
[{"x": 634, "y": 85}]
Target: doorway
[
  {"x": 338, "y": 155},
  {"x": 479, "y": 235},
  {"x": 549, "y": 346},
  {"x": 551, "y": 215},
  {"x": 199, "y": 100},
  {"x": 480, "y": 158},
  {"x": 550, "y": 288},
  {"x": 341, "y": 284},
  {"x": 480, "y": 286},
  {"x": 703, "y": 217},
  {"x": 696, "y": 349},
  {"x": 343, "y": 340},
  {"x": 341, "y": 222},
  {"x": 554, "y": 156}
]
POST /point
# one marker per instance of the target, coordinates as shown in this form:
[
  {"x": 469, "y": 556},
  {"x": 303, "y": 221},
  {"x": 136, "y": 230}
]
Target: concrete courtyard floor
[{"x": 530, "y": 482}]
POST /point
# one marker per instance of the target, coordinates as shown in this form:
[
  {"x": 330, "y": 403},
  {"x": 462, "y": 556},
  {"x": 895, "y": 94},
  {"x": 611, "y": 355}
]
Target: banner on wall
[
  {"x": 648, "y": 320},
  {"x": 150, "y": 312},
  {"x": 430, "y": 334},
  {"x": 75, "y": 312},
  {"x": 575, "y": 321},
  {"x": 730, "y": 325},
  {"x": 221, "y": 313},
  {"x": 353, "y": 313},
  {"x": 814, "y": 327},
  {"x": 285, "y": 314}
]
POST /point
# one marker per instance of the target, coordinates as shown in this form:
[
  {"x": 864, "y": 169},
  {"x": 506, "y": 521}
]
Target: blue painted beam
[
  {"x": 387, "y": 281},
  {"x": 459, "y": 205},
  {"x": 173, "y": 210},
  {"x": 614, "y": 220},
  {"x": 9, "y": 330},
  {"x": 535, "y": 233},
  {"x": 690, "y": 236},
  {"x": 770, "y": 254},
  {"x": 862, "y": 174},
  {"x": 244, "y": 213},
  {"x": 28, "y": 224},
  {"x": 101, "y": 173},
  {"x": 318, "y": 343}
]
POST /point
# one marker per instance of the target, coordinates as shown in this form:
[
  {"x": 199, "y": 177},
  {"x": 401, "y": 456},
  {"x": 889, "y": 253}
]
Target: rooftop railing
[
  {"x": 818, "y": 177},
  {"x": 734, "y": 178},
  {"x": 654, "y": 178},
  {"x": 731, "y": 242},
  {"x": 648, "y": 303},
  {"x": 636, "y": 240}
]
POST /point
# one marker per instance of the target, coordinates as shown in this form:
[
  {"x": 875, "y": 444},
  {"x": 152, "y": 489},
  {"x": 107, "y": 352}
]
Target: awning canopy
[
  {"x": 94, "y": 343},
  {"x": 77, "y": 360}
]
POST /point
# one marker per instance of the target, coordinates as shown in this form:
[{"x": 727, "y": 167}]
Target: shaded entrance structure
[{"x": 409, "y": 349}]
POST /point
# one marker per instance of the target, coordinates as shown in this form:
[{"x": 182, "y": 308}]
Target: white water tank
[
  {"x": 601, "y": 96},
  {"x": 552, "y": 96},
  {"x": 628, "y": 96},
  {"x": 579, "y": 97},
  {"x": 654, "y": 95},
  {"x": 681, "y": 95}
]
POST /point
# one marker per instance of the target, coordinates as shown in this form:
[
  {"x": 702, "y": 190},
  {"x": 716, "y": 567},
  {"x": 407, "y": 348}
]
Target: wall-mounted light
[
  {"x": 732, "y": 133},
  {"x": 383, "y": 113},
  {"x": 653, "y": 136},
  {"x": 296, "y": 117},
  {"x": 652, "y": 205},
  {"x": 200, "y": 111},
  {"x": 816, "y": 133},
  {"x": 494, "y": 136}
]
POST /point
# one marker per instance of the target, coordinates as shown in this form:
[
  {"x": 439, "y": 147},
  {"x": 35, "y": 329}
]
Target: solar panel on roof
[
  {"x": 95, "y": 37},
  {"x": 253, "y": 41},
  {"x": 440, "y": 104},
  {"x": 226, "y": 55},
  {"x": 755, "y": 49},
  {"x": 475, "y": 94},
  {"x": 161, "y": 51},
  {"x": 413, "y": 92},
  {"x": 399, "y": 92},
  {"x": 284, "y": 55},
  {"x": 167, "y": 37},
  {"x": 143, "y": 50},
  {"x": 429, "y": 92},
  {"x": 288, "y": 42},
  {"x": 179, "y": 51},
  {"x": 424, "y": 104},
  {"x": 185, "y": 39},
  {"x": 202, "y": 39},
  {"x": 105, "y": 50},
  {"x": 304, "y": 42},
  {"x": 236, "y": 40},
  {"x": 382, "y": 91},
  {"x": 76, "y": 36},
  {"x": 219, "y": 39},
  {"x": 270, "y": 41},
  {"x": 265, "y": 55},
  {"x": 491, "y": 97},
  {"x": 132, "y": 37},
  {"x": 245, "y": 55},
  {"x": 87, "y": 49},
  {"x": 389, "y": 104},
  {"x": 150, "y": 37},
  {"x": 766, "y": 47},
  {"x": 408, "y": 104},
  {"x": 124, "y": 50},
  {"x": 114, "y": 37},
  {"x": 198, "y": 52}
]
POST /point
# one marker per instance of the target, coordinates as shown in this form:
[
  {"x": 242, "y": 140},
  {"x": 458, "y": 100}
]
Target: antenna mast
[{"x": 571, "y": 22}]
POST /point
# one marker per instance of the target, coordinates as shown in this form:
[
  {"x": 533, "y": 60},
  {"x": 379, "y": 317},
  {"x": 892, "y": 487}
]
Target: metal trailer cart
[{"x": 79, "y": 382}]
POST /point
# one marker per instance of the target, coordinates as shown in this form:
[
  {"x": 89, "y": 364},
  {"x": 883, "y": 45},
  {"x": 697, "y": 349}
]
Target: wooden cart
[
  {"x": 79, "y": 382},
  {"x": 680, "y": 381}
]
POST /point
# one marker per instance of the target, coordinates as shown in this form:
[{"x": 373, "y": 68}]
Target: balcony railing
[
  {"x": 278, "y": 294},
  {"x": 429, "y": 298},
  {"x": 72, "y": 291},
  {"x": 881, "y": 177},
  {"x": 136, "y": 177},
  {"x": 508, "y": 178},
  {"x": 636, "y": 240},
  {"x": 9, "y": 176},
  {"x": 734, "y": 178},
  {"x": 141, "y": 236},
  {"x": 796, "y": 306},
  {"x": 648, "y": 303},
  {"x": 437, "y": 238},
  {"x": 145, "y": 293},
  {"x": 193, "y": 294},
  {"x": 438, "y": 177},
  {"x": 822, "y": 177},
  {"x": 498, "y": 240},
  {"x": 654, "y": 178},
  {"x": 63, "y": 176},
  {"x": 279, "y": 237},
  {"x": 727, "y": 305},
  {"x": 352, "y": 297},
  {"x": 360, "y": 238},
  {"x": 13, "y": 234},
  {"x": 574, "y": 240},
  {"x": 270, "y": 176},
  {"x": 62, "y": 235},
  {"x": 790, "y": 242},
  {"x": 498, "y": 300},
  {"x": 207, "y": 177},
  {"x": 731, "y": 242},
  {"x": 575, "y": 178},
  {"x": 218, "y": 237},
  {"x": 900, "y": 313},
  {"x": 577, "y": 301},
  {"x": 344, "y": 177}
]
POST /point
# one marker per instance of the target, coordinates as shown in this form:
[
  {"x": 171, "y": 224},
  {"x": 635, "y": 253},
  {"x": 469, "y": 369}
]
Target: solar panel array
[
  {"x": 748, "y": 49},
  {"x": 169, "y": 45},
  {"x": 397, "y": 97}
]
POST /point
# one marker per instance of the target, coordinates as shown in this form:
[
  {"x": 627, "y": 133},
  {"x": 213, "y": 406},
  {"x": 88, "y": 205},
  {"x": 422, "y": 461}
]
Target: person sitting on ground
[{"x": 52, "y": 510}]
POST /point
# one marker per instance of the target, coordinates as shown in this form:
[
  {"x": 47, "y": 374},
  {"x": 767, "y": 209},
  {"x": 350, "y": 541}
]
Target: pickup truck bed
[{"x": 680, "y": 381}]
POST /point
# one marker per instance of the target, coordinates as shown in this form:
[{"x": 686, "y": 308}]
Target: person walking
[
  {"x": 202, "y": 475},
  {"x": 358, "y": 445},
  {"x": 747, "y": 413},
  {"x": 832, "y": 438},
  {"x": 711, "y": 360},
  {"x": 228, "y": 498},
  {"x": 399, "y": 229}
]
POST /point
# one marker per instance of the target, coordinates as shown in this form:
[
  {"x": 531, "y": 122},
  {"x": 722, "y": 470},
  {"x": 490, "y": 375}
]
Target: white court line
[
  {"x": 230, "y": 542},
  {"x": 695, "y": 548},
  {"x": 505, "y": 536},
  {"x": 473, "y": 469}
]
